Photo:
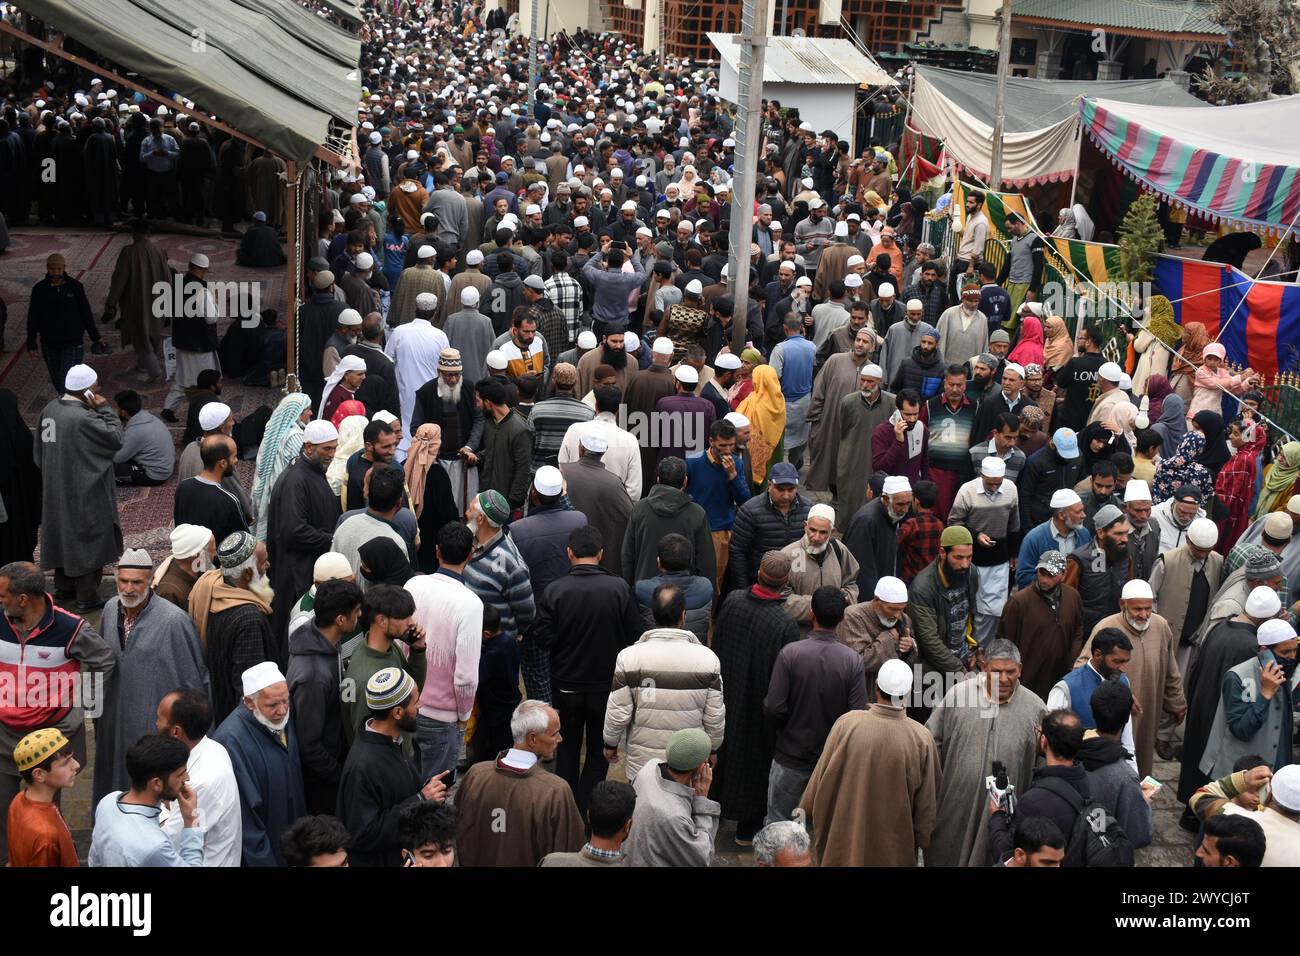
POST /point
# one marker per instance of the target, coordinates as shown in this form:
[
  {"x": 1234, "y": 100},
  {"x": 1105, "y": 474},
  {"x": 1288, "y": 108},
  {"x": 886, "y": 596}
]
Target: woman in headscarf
[
  {"x": 1097, "y": 442},
  {"x": 1057, "y": 348},
  {"x": 1281, "y": 480},
  {"x": 383, "y": 562},
  {"x": 765, "y": 409},
  {"x": 1182, "y": 468},
  {"x": 429, "y": 490},
  {"x": 20, "y": 484},
  {"x": 1124, "y": 414},
  {"x": 281, "y": 443},
  {"x": 1066, "y": 227},
  {"x": 750, "y": 359},
  {"x": 1029, "y": 351},
  {"x": 1171, "y": 426},
  {"x": 1216, "y": 453},
  {"x": 1234, "y": 483},
  {"x": 347, "y": 410},
  {"x": 351, "y": 441},
  {"x": 1182, "y": 369},
  {"x": 1158, "y": 389}
]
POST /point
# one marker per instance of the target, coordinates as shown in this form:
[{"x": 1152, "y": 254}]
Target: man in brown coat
[
  {"x": 194, "y": 551},
  {"x": 1045, "y": 620},
  {"x": 512, "y": 812},
  {"x": 880, "y": 629},
  {"x": 872, "y": 798}
]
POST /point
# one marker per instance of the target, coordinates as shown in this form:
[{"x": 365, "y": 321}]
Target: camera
[{"x": 1000, "y": 789}]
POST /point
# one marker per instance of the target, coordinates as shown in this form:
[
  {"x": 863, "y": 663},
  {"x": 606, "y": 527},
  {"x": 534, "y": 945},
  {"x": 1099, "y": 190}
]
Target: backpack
[{"x": 1097, "y": 839}]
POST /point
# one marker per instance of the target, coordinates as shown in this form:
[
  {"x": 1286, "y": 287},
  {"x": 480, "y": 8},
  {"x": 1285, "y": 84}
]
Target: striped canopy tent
[{"x": 1238, "y": 165}]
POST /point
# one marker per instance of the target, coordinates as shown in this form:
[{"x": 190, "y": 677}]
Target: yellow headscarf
[{"x": 765, "y": 409}]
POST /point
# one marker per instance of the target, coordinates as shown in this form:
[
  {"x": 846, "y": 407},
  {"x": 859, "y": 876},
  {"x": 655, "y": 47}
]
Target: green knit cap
[
  {"x": 687, "y": 749},
  {"x": 953, "y": 536},
  {"x": 495, "y": 507}
]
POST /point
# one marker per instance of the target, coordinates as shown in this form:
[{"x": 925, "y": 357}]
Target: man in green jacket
[
  {"x": 942, "y": 607},
  {"x": 507, "y": 452}
]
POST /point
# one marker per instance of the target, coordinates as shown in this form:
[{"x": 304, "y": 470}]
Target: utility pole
[
  {"x": 1000, "y": 105},
  {"x": 532, "y": 61},
  {"x": 755, "y": 21}
]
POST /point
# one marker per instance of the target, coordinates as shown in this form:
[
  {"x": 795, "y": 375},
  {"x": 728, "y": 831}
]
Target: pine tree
[{"x": 1139, "y": 240}]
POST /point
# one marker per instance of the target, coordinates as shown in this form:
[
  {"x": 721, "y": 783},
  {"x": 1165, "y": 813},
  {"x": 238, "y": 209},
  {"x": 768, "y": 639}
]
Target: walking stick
[{"x": 464, "y": 486}]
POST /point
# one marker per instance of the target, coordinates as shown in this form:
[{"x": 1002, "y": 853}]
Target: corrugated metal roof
[
  {"x": 807, "y": 60},
  {"x": 1156, "y": 16}
]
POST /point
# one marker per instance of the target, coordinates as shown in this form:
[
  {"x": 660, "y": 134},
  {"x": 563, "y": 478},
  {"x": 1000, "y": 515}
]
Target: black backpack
[{"x": 1097, "y": 839}]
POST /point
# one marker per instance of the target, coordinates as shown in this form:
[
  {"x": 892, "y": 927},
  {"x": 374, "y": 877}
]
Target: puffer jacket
[
  {"x": 542, "y": 537},
  {"x": 665, "y": 682},
  {"x": 760, "y": 528},
  {"x": 924, "y": 376},
  {"x": 698, "y": 591}
]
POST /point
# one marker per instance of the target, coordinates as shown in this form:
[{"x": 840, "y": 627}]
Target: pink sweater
[{"x": 452, "y": 617}]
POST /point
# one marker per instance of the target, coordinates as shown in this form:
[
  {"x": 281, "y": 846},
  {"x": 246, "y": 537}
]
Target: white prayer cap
[
  {"x": 606, "y": 192},
  {"x": 841, "y": 230},
  {"x": 426, "y": 301},
  {"x": 385, "y": 416},
  {"x": 331, "y": 566},
  {"x": 802, "y": 281},
  {"x": 1274, "y": 632},
  {"x": 475, "y": 258},
  {"x": 349, "y": 317},
  {"x": 1137, "y": 590},
  {"x": 261, "y": 676},
  {"x": 189, "y": 539},
  {"x": 823, "y": 511},
  {"x": 644, "y": 231},
  {"x": 631, "y": 341},
  {"x": 1285, "y": 787},
  {"x": 915, "y": 305},
  {"x": 687, "y": 225},
  {"x": 1110, "y": 372},
  {"x": 628, "y": 206},
  {"x": 496, "y": 360},
  {"x": 1203, "y": 533},
  {"x": 548, "y": 481},
  {"x": 581, "y": 221},
  {"x": 357, "y": 199},
  {"x": 412, "y": 154},
  {"x": 726, "y": 270},
  {"x": 993, "y": 467},
  {"x": 1064, "y": 498},
  {"x": 365, "y": 261},
  {"x": 872, "y": 371},
  {"x": 137, "y": 558},
  {"x": 663, "y": 346},
  {"x": 852, "y": 281},
  {"x": 886, "y": 291},
  {"x": 663, "y": 214},
  {"x": 375, "y": 137},
  {"x": 80, "y": 378},
  {"x": 727, "y": 362},
  {"x": 594, "y": 441},
  {"x": 855, "y": 260},
  {"x": 319, "y": 431},
  {"x": 533, "y": 210},
  {"x": 199, "y": 259},
  {"x": 891, "y": 590},
  {"x": 1263, "y": 603},
  {"x": 894, "y": 677},
  {"x": 1014, "y": 367},
  {"x": 787, "y": 264},
  {"x": 687, "y": 375},
  {"x": 1137, "y": 490},
  {"x": 1126, "y": 382},
  {"x": 213, "y": 415},
  {"x": 737, "y": 419},
  {"x": 694, "y": 287},
  {"x": 469, "y": 296},
  {"x": 896, "y": 485},
  {"x": 426, "y": 252}
]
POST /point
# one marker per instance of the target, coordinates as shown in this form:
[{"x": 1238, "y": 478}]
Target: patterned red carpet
[{"x": 145, "y": 513}]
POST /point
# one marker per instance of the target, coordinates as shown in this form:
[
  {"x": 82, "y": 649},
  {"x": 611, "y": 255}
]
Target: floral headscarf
[{"x": 1183, "y": 469}]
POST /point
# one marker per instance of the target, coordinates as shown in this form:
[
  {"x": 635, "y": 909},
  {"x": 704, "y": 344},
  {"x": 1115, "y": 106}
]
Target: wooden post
[
  {"x": 293, "y": 273},
  {"x": 1000, "y": 104}
]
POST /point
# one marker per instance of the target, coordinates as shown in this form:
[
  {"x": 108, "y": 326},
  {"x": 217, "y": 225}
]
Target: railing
[{"x": 1281, "y": 404}]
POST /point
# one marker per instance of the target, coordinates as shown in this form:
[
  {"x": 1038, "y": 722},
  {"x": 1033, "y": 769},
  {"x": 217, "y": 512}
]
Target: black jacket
[
  {"x": 379, "y": 390},
  {"x": 301, "y": 516},
  {"x": 666, "y": 510},
  {"x": 194, "y": 333},
  {"x": 378, "y": 782},
  {"x": 542, "y": 537},
  {"x": 760, "y": 528},
  {"x": 924, "y": 375},
  {"x": 318, "y": 319},
  {"x": 314, "y": 677},
  {"x": 584, "y": 619},
  {"x": 1038, "y": 801},
  {"x": 469, "y": 418},
  {"x": 60, "y": 315},
  {"x": 1044, "y": 474}
]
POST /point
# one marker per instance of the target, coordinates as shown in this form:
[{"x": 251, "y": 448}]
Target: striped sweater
[{"x": 499, "y": 575}]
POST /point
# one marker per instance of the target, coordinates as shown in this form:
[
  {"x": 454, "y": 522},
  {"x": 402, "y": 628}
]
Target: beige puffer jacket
[{"x": 665, "y": 682}]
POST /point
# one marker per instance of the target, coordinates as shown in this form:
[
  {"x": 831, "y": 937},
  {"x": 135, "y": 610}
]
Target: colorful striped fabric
[
  {"x": 1262, "y": 332},
  {"x": 1095, "y": 261},
  {"x": 1221, "y": 187}
]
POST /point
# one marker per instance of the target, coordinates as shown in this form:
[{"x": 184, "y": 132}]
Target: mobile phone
[
  {"x": 1152, "y": 782},
  {"x": 89, "y": 396}
]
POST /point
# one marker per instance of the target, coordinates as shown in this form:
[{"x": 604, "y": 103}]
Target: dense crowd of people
[{"x": 536, "y": 568}]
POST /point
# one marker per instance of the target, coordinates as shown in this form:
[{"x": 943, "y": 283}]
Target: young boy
[
  {"x": 38, "y": 836},
  {"x": 498, "y": 690},
  {"x": 428, "y": 833},
  {"x": 918, "y": 537}
]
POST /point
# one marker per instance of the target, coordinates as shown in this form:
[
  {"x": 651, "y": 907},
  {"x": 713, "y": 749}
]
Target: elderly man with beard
[
  {"x": 444, "y": 401},
  {"x": 963, "y": 327},
  {"x": 1144, "y": 539},
  {"x": 1153, "y": 673},
  {"x": 903, "y": 337},
  {"x": 817, "y": 561},
  {"x": 231, "y": 608},
  {"x": 612, "y": 353},
  {"x": 262, "y": 743},
  {"x": 194, "y": 552},
  {"x": 1099, "y": 569},
  {"x": 872, "y": 535},
  {"x": 1064, "y": 531},
  {"x": 1044, "y": 620},
  {"x": 836, "y": 379},
  {"x": 991, "y": 718},
  {"x": 880, "y": 629},
  {"x": 157, "y": 650},
  {"x": 1176, "y": 514},
  {"x": 301, "y": 516},
  {"x": 841, "y": 340}
]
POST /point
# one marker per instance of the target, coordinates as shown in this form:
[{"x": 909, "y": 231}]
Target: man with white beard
[
  {"x": 818, "y": 560},
  {"x": 414, "y": 348},
  {"x": 157, "y": 650},
  {"x": 232, "y": 609},
  {"x": 446, "y": 402},
  {"x": 262, "y": 743},
  {"x": 194, "y": 552}
]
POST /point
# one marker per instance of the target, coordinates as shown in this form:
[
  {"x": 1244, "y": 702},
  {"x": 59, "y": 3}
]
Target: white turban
[{"x": 261, "y": 676}]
